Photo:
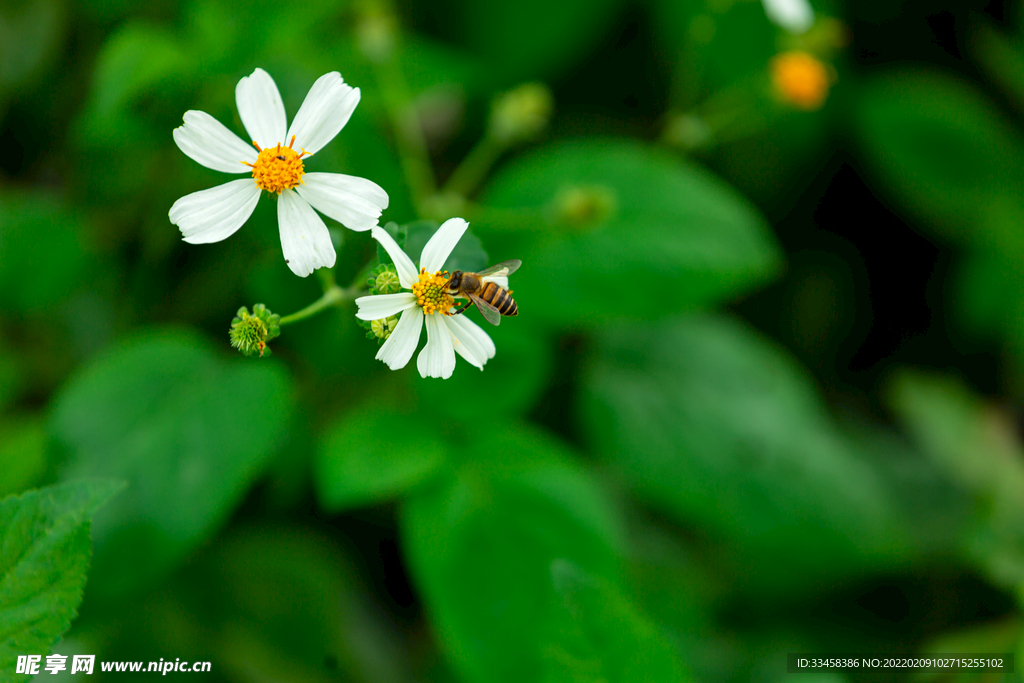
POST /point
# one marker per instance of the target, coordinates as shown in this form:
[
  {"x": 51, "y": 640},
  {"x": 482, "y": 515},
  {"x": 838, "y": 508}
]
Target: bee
[{"x": 492, "y": 298}]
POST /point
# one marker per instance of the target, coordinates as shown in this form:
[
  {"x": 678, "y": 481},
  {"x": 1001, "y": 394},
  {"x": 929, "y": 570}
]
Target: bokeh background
[{"x": 763, "y": 394}]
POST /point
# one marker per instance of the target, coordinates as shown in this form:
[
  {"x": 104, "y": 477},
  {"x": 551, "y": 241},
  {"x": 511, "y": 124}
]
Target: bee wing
[
  {"x": 489, "y": 312},
  {"x": 505, "y": 268}
]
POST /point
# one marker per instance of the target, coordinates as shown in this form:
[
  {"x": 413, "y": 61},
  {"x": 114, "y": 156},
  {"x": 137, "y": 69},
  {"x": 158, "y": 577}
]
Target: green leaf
[
  {"x": 376, "y": 453},
  {"x": 510, "y": 384},
  {"x": 977, "y": 446},
  {"x": 23, "y": 452},
  {"x": 596, "y": 634},
  {"x": 714, "y": 426},
  {"x": 946, "y": 155},
  {"x": 673, "y": 237},
  {"x": 188, "y": 431},
  {"x": 481, "y": 544},
  {"x": 44, "y": 559},
  {"x": 44, "y": 252},
  {"x": 532, "y": 38}
]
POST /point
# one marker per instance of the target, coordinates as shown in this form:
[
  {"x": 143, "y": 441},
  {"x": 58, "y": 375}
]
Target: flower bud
[
  {"x": 584, "y": 205},
  {"x": 521, "y": 114},
  {"x": 801, "y": 79},
  {"x": 383, "y": 328},
  {"x": 250, "y": 333}
]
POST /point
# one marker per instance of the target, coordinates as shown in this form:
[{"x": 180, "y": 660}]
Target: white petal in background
[
  {"x": 304, "y": 237},
  {"x": 207, "y": 141},
  {"x": 215, "y": 214},
  {"x": 500, "y": 280},
  {"x": 407, "y": 273},
  {"x": 795, "y": 16},
  {"x": 439, "y": 247},
  {"x": 437, "y": 359},
  {"x": 261, "y": 109},
  {"x": 332, "y": 195},
  {"x": 470, "y": 342},
  {"x": 400, "y": 346},
  {"x": 325, "y": 111},
  {"x": 383, "y": 305}
]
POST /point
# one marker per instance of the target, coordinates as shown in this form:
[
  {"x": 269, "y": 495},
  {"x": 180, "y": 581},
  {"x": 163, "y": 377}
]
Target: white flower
[
  {"x": 795, "y": 16},
  {"x": 215, "y": 214},
  {"x": 427, "y": 301}
]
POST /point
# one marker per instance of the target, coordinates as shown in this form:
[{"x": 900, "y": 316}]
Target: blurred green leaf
[
  {"x": 30, "y": 36},
  {"x": 188, "y": 431},
  {"x": 946, "y": 154},
  {"x": 44, "y": 559},
  {"x": 596, "y": 634},
  {"x": 510, "y": 384},
  {"x": 977, "y": 445},
  {"x": 532, "y": 38},
  {"x": 44, "y": 249},
  {"x": 481, "y": 545},
  {"x": 630, "y": 232},
  {"x": 713, "y": 425},
  {"x": 23, "y": 452},
  {"x": 375, "y": 453}
]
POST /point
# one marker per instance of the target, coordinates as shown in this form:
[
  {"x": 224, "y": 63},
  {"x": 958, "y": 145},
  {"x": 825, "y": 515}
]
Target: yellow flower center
[
  {"x": 801, "y": 79},
  {"x": 432, "y": 292},
  {"x": 277, "y": 168}
]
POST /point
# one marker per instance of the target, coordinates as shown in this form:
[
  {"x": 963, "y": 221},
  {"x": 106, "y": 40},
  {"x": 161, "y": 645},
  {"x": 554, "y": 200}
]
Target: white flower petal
[
  {"x": 215, "y": 214},
  {"x": 439, "y": 247},
  {"x": 407, "y": 273},
  {"x": 325, "y": 111},
  {"x": 399, "y": 347},
  {"x": 437, "y": 359},
  {"x": 383, "y": 305},
  {"x": 500, "y": 280},
  {"x": 329, "y": 194},
  {"x": 261, "y": 109},
  {"x": 795, "y": 16},
  {"x": 470, "y": 342},
  {"x": 207, "y": 141},
  {"x": 304, "y": 237}
]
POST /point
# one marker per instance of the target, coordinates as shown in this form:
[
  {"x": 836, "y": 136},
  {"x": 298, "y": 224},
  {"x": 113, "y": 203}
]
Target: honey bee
[{"x": 483, "y": 289}]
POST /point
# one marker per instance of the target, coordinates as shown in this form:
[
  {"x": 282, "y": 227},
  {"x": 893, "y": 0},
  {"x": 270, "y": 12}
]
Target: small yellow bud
[
  {"x": 383, "y": 328},
  {"x": 387, "y": 282},
  {"x": 250, "y": 333},
  {"x": 521, "y": 114},
  {"x": 801, "y": 79}
]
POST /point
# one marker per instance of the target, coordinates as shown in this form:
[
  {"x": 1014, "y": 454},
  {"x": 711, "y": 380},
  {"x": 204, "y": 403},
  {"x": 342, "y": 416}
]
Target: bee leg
[{"x": 463, "y": 307}]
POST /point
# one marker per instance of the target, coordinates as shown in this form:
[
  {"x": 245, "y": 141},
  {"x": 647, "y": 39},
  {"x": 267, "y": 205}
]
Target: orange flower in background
[{"x": 801, "y": 79}]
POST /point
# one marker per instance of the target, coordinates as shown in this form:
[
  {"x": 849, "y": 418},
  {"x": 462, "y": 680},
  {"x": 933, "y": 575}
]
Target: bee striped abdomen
[{"x": 499, "y": 298}]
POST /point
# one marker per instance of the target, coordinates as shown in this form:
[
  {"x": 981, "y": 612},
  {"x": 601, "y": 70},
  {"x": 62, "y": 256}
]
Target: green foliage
[
  {"x": 977, "y": 446},
  {"x": 945, "y": 153},
  {"x": 188, "y": 431},
  {"x": 44, "y": 559},
  {"x": 376, "y": 453},
  {"x": 44, "y": 252},
  {"x": 498, "y": 30},
  {"x": 713, "y": 425},
  {"x": 482, "y": 545},
  {"x": 667, "y": 235},
  {"x": 23, "y": 452}
]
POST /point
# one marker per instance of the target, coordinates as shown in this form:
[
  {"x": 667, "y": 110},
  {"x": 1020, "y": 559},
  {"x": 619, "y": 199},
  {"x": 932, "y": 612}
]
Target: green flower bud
[
  {"x": 387, "y": 282},
  {"x": 521, "y": 114},
  {"x": 383, "y": 328},
  {"x": 584, "y": 205},
  {"x": 250, "y": 333}
]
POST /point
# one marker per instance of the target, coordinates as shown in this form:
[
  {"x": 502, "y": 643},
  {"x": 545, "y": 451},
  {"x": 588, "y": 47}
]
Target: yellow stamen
[
  {"x": 278, "y": 168},
  {"x": 432, "y": 292}
]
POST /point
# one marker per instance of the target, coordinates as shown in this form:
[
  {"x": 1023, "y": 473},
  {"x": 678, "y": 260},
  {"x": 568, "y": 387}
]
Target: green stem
[
  {"x": 332, "y": 297},
  {"x": 412, "y": 146},
  {"x": 469, "y": 174}
]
